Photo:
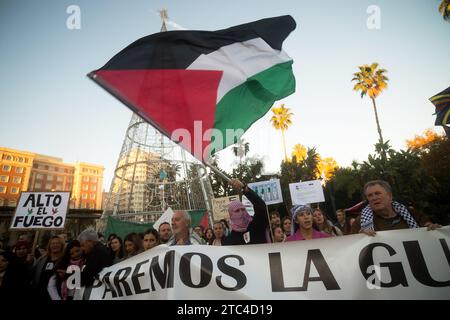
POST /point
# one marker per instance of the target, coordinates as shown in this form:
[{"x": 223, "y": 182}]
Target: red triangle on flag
[{"x": 204, "y": 222}]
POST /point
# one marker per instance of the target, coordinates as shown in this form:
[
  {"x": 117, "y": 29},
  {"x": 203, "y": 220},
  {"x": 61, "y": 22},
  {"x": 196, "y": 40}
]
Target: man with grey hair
[
  {"x": 96, "y": 254},
  {"x": 181, "y": 229},
  {"x": 382, "y": 213}
]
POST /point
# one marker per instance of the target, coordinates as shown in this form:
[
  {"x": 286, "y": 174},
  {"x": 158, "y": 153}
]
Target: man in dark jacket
[
  {"x": 244, "y": 228},
  {"x": 382, "y": 213},
  {"x": 97, "y": 256}
]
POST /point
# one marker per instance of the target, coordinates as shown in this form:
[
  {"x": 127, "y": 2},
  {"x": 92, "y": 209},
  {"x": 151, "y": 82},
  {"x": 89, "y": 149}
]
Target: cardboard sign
[
  {"x": 306, "y": 192},
  {"x": 41, "y": 210},
  {"x": 220, "y": 207},
  {"x": 269, "y": 191}
]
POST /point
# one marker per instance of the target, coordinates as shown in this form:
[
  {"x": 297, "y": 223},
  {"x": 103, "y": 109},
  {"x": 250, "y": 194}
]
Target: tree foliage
[{"x": 418, "y": 177}]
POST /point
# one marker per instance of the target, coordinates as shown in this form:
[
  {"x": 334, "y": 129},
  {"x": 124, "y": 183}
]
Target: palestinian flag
[
  {"x": 186, "y": 83},
  {"x": 442, "y": 103}
]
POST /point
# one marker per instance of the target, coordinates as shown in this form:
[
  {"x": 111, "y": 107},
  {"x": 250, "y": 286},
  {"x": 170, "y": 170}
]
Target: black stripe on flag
[{"x": 178, "y": 49}]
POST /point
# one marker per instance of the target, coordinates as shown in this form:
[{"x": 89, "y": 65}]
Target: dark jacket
[
  {"x": 43, "y": 269},
  {"x": 15, "y": 283},
  {"x": 256, "y": 228},
  {"x": 382, "y": 224},
  {"x": 96, "y": 260}
]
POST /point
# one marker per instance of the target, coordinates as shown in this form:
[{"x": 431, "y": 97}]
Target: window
[
  {"x": 2, "y": 189},
  {"x": 92, "y": 196},
  {"x": 48, "y": 186},
  {"x": 94, "y": 179},
  {"x": 20, "y": 159},
  {"x": 93, "y": 188},
  {"x": 39, "y": 176},
  {"x": 69, "y": 179},
  {"x": 59, "y": 187},
  {"x": 14, "y": 190},
  {"x": 49, "y": 177},
  {"x": 59, "y": 178},
  {"x": 12, "y": 203},
  {"x": 84, "y": 170},
  {"x": 38, "y": 185},
  {"x": 19, "y": 169},
  {"x": 86, "y": 179},
  {"x": 4, "y": 178},
  {"x": 84, "y": 196},
  {"x": 85, "y": 187},
  {"x": 17, "y": 179},
  {"x": 6, "y": 168},
  {"x": 2, "y": 202},
  {"x": 8, "y": 157}
]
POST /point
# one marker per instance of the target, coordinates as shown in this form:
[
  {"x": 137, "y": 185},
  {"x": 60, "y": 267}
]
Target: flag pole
[
  {"x": 35, "y": 242},
  {"x": 216, "y": 170}
]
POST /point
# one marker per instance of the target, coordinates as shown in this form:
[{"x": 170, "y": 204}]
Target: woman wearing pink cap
[{"x": 246, "y": 229}]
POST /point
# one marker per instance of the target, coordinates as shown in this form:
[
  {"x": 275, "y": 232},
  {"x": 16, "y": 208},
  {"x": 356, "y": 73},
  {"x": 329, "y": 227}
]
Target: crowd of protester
[{"x": 44, "y": 274}]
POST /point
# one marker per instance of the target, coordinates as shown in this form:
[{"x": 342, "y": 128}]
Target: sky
[{"x": 49, "y": 106}]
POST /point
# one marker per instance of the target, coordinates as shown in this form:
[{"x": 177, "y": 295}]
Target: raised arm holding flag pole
[{"x": 203, "y": 89}]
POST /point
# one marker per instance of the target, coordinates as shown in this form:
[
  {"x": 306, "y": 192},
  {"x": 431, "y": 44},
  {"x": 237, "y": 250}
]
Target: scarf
[
  {"x": 239, "y": 221},
  {"x": 367, "y": 216},
  {"x": 296, "y": 209}
]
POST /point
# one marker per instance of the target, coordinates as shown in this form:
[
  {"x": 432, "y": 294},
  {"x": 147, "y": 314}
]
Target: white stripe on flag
[{"x": 239, "y": 61}]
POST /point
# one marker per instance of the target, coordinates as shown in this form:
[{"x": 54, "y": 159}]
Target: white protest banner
[
  {"x": 220, "y": 207},
  {"x": 306, "y": 192},
  {"x": 269, "y": 191},
  {"x": 41, "y": 210},
  {"x": 401, "y": 264},
  {"x": 165, "y": 217}
]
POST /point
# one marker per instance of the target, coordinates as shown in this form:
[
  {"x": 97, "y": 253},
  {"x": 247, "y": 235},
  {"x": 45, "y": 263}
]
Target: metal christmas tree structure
[{"x": 154, "y": 173}]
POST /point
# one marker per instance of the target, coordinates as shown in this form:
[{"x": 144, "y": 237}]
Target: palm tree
[
  {"x": 371, "y": 81},
  {"x": 444, "y": 9},
  {"x": 311, "y": 164},
  {"x": 299, "y": 152},
  {"x": 241, "y": 149},
  {"x": 281, "y": 120}
]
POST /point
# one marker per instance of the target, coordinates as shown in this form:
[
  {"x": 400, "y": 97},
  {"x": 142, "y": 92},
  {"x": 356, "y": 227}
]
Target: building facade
[
  {"x": 15, "y": 171},
  {"x": 26, "y": 171},
  {"x": 131, "y": 182},
  {"x": 87, "y": 186}
]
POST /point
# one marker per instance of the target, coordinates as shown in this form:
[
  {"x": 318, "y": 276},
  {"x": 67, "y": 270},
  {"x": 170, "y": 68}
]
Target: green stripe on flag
[
  {"x": 248, "y": 102},
  {"x": 122, "y": 228}
]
